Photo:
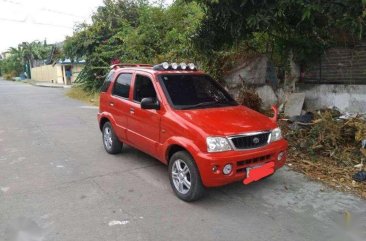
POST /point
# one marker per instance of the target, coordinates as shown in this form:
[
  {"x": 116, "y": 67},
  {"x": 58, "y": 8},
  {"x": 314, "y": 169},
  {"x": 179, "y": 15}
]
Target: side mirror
[{"x": 150, "y": 104}]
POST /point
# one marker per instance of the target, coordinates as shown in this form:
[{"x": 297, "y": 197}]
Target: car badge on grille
[{"x": 255, "y": 140}]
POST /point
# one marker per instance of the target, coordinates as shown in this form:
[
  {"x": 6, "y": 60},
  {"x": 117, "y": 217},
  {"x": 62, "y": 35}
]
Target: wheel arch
[
  {"x": 174, "y": 147},
  {"x": 197, "y": 190},
  {"x": 102, "y": 121}
]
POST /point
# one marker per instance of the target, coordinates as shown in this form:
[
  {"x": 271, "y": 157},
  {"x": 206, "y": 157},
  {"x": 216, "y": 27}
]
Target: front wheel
[
  {"x": 110, "y": 141},
  {"x": 184, "y": 177}
]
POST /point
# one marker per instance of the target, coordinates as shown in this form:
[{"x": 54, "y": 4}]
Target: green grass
[{"x": 76, "y": 92}]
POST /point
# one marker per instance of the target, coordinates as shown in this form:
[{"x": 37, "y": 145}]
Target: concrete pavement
[
  {"x": 46, "y": 84},
  {"x": 58, "y": 183}
]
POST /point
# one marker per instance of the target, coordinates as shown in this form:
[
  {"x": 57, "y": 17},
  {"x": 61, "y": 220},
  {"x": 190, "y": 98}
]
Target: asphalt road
[{"x": 58, "y": 183}]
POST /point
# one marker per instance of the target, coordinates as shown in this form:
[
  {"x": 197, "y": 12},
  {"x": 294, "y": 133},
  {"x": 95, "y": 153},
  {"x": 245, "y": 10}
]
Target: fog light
[
  {"x": 227, "y": 169},
  {"x": 214, "y": 169},
  {"x": 280, "y": 156}
]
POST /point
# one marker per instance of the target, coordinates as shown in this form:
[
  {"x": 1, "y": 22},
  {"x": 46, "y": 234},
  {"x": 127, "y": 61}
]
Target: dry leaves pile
[
  {"x": 249, "y": 97},
  {"x": 328, "y": 149}
]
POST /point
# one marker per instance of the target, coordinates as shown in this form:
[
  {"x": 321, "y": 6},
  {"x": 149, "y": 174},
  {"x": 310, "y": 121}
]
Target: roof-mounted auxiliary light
[
  {"x": 183, "y": 66},
  {"x": 191, "y": 66},
  {"x": 165, "y": 65},
  {"x": 175, "y": 66}
]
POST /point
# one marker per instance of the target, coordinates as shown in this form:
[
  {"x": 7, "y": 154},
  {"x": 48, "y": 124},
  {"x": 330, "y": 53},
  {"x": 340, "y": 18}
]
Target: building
[{"x": 62, "y": 72}]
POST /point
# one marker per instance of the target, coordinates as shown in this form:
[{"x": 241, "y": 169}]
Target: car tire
[
  {"x": 184, "y": 177},
  {"x": 110, "y": 141}
]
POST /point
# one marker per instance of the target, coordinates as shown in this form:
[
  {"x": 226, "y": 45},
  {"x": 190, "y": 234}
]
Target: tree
[
  {"x": 132, "y": 32},
  {"x": 278, "y": 27},
  {"x": 24, "y": 54},
  {"x": 11, "y": 67}
]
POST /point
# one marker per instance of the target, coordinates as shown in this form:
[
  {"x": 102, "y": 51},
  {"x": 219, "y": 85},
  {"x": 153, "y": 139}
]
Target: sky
[{"x": 29, "y": 20}]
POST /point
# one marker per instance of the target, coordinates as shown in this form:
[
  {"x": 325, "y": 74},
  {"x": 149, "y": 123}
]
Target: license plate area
[{"x": 258, "y": 172}]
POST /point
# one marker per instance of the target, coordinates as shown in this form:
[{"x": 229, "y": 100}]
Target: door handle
[
  {"x": 132, "y": 110},
  {"x": 111, "y": 103}
]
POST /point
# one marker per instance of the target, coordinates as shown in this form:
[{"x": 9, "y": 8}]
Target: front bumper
[{"x": 240, "y": 160}]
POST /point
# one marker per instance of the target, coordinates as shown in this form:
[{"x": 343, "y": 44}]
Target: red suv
[{"x": 185, "y": 119}]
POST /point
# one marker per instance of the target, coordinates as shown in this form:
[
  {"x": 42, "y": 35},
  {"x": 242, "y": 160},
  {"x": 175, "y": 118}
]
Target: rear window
[{"x": 107, "y": 81}]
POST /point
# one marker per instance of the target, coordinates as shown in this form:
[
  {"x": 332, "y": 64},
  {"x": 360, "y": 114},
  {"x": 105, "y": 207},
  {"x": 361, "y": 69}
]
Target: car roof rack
[{"x": 115, "y": 66}]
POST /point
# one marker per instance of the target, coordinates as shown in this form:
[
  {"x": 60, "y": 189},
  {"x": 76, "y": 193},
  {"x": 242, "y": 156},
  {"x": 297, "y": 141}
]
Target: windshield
[{"x": 187, "y": 91}]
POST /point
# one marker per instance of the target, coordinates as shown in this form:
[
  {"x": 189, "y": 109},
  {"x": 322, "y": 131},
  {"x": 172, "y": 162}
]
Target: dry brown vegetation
[
  {"x": 328, "y": 149},
  {"x": 76, "y": 92}
]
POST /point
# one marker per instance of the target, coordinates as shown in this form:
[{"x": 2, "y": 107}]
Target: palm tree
[
  {"x": 26, "y": 53},
  {"x": 17, "y": 53},
  {"x": 29, "y": 52}
]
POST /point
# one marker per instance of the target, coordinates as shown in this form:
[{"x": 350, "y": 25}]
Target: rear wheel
[
  {"x": 184, "y": 177},
  {"x": 110, "y": 141}
]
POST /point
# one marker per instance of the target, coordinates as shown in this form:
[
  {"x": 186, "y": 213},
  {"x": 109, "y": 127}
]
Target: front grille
[
  {"x": 242, "y": 164},
  {"x": 250, "y": 141}
]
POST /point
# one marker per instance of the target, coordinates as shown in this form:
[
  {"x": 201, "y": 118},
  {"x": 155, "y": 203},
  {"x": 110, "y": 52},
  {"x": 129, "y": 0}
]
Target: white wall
[
  {"x": 350, "y": 98},
  {"x": 54, "y": 74},
  {"x": 46, "y": 73}
]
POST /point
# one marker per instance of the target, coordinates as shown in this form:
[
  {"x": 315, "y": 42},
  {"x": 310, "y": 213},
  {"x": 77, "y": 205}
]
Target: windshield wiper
[{"x": 203, "y": 104}]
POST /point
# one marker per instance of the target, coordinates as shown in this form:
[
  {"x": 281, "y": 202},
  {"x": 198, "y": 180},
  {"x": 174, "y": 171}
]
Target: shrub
[{"x": 10, "y": 75}]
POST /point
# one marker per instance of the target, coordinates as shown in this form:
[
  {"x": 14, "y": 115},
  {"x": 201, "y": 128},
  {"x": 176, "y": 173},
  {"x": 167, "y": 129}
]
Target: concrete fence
[
  {"x": 47, "y": 73},
  {"x": 350, "y": 98},
  {"x": 57, "y": 73}
]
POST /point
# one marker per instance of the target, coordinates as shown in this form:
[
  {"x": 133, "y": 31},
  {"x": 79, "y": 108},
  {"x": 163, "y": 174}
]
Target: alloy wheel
[
  {"x": 107, "y": 137},
  {"x": 181, "y": 176}
]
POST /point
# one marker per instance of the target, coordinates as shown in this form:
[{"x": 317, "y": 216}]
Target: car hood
[{"x": 227, "y": 121}]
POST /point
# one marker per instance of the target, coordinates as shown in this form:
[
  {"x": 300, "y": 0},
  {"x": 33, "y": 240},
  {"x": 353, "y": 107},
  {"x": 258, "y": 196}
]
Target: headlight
[
  {"x": 276, "y": 134},
  {"x": 217, "y": 144}
]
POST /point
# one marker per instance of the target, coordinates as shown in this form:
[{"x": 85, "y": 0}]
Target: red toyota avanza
[{"x": 185, "y": 119}]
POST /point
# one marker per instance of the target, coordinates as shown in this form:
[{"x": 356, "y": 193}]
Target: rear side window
[
  {"x": 122, "y": 85},
  {"x": 144, "y": 88},
  {"x": 107, "y": 82}
]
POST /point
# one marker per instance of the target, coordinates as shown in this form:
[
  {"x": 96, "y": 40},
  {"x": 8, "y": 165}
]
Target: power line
[
  {"x": 44, "y": 9},
  {"x": 13, "y": 20},
  {"x": 12, "y": 2},
  {"x": 59, "y": 12},
  {"x": 36, "y": 23},
  {"x": 53, "y": 25}
]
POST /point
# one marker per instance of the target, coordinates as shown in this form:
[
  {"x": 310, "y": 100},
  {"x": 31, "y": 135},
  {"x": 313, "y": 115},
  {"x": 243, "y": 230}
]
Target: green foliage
[
  {"x": 11, "y": 67},
  {"x": 132, "y": 32},
  {"x": 277, "y": 28},
  {"x": 25, "y": 53},
  {"x": 217, "y": 34}
]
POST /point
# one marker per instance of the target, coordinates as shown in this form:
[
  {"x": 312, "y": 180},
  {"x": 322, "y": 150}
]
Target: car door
[
  {"x": 120, "y": 103},
  {"x": 144, "y": 125}
]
